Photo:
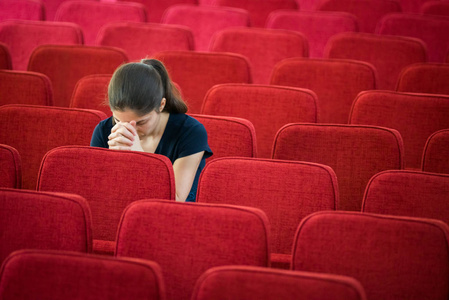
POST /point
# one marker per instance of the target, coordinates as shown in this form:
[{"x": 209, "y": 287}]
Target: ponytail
[{"x": 174, "y": 103}]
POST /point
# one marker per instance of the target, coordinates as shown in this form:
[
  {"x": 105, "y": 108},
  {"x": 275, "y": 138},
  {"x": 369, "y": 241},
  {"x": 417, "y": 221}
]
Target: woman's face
[{"x": 145, "y": 124}]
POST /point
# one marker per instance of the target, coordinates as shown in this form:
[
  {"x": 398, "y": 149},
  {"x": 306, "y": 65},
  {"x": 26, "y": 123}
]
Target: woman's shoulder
[{"x": 185, "y": 121}]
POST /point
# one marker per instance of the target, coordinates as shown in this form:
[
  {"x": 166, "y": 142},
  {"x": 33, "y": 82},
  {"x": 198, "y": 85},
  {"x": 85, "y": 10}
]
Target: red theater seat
[
  {"x": 412, "y": 6},
  {"x": 355, "y": 153},
  {"x": 435, "y": 156},
  {"x": 156, "y": 8},
  {"x": 56, "y": 275},
  {"x": 435, "y": 8},
  {"x": 253, "y": 283},
  {"x": 91, "y": 92},
  {"x": 36, "y": 220},
  {"x": 186, "y": 239},
  {"x": 286, "y": 191},
  {"x": 10, "y": 167},
  {"x": 396, "y": 258},
  {"x": 109, "y": 180},
  {"x": 267, "y": 107},
  {"x": 51, "y": 6},
  {"x": 429, "y": 78},
  {"x": 22, "y": 10},
  {"x": 34, "y": 130},
  {"x": 5, "y": 57}
]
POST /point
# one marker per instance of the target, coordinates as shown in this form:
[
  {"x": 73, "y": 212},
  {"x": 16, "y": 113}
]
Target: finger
[
  {"x": 119, "y": 148},
  {"x": 121, "y": 140},
  {"x": 123, "y": 130}
]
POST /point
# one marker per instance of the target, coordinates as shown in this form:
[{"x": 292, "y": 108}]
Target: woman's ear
[{"x": 163, "y": 102}]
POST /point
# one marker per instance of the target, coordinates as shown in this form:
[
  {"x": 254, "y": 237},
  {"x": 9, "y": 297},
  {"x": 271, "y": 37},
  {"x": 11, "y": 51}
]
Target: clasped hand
[{"x": 124, "y": 137}]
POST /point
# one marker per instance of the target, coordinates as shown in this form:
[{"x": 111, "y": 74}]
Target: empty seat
[
  {"x": 263, "y": 47},
  {"x": 286, "y": 191},
  {"x": 433, "y": 30},
  {"x": 156, "y": 8},
  {"x": 316, "y": 26},
  {"x": 412, "y": 6},
  {"x": 147, "y": 38},
  {"x": 22, "y": 87},
  {"x": 34, "y": 130},
  {"x": 91, "y": 92},
  {"x": 355, "y": 153},
  {"x": 36, "y": 220},
  {"x": 79, "y": 61},
  {"x": 435, "y": 8},
  {"x": 38, "y": 33},
  {"x": 396, "y": 258},
  {"x": 197, "y": 72},
  {"x": 415, "y": 116},
  {"x": 92, "y": 15},
  {"x": 254, "y": 283},
  {"x": 229, "y": 136},
  {"x": 5, "y": 57},
  {"x": 56, "y": 275},
  {"x": 435, "y": 156},
  {"x": 336, "y": 83},
  {"x": 10, "y": 167},
  {"x": 408, "y": 193},
  {"x": 109, "y": 180},
  {"x": 430, "y": 78},
  {"x": 22, "y": 9},
  {"x": 258, "y": 10},
  {"x": 368, "y": 12},
  {"x": 267, "y": 107},
  {"x": 186, "y": 239},
  {"x": 204, "y": 21},
  {"x": 51, "y": 6},
  {"x": 388, "y": 54}
]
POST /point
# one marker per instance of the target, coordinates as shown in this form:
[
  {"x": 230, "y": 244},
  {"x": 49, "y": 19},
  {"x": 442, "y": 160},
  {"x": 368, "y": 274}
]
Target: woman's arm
[{"x": 185, "y": 169}]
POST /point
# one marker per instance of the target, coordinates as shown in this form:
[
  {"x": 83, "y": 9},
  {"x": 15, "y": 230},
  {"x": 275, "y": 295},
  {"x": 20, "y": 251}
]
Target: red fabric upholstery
[
  {"x": 5, "y": 57},
  {"x": 412, "y": 6},
  {"x": 316, "y": 26},
  {"x": 21, "y": 87},
  {"x": 204, "y": 21},
  {"x": 429, "y": 78},
  {"x": 92, "y": 15},
  {"x": 355, "y": 153},
  {"x": 186, "y": 239},
  {"x": 408, "y": 193},
  {"x": 435, "y": 8},
  {"x": 433, "y": 30},
  {"x": 388, "y": 54},
  {"x": 91, "y": 92},
  {"x": 259, "y": 10},
  {"x": 51, "y": 6},
  {"x": 396, "y": 258},
  {"x": 415, "y": 116},
  {"x": 308, "y": 5},
  {"x": 22, "y": 9},
  {"x": 79, "y": 61},
  {"x": 10, "y": 167},
  {"x": 37, "y": 33},
  {"x": 263, "y": 47},
  {"x": 34, "y": 130},
  {"x": 228, "y": 136},
  {"x": 286, "y": 191},
  {"x": 56, "y": 275},
  {"x": 335, "y": 82},
  {"x": 156, "y": 8},
  {"x": 368, "y": 12},
  {"x": 109, "y": 180},
  {"x": 255, "y": 283},
  {"x": 36, "y": 220},
  {"x": 147, "y": 38},
  {"x": 197, "y": 72},
  {"x": 435, "y": 156},
  {"x": 267, "y": 107}
]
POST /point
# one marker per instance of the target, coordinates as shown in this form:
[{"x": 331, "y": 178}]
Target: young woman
[{"x": 149, "y": 115}]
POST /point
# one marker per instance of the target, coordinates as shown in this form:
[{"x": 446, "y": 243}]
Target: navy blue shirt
[{"x": 183, "y": 136}]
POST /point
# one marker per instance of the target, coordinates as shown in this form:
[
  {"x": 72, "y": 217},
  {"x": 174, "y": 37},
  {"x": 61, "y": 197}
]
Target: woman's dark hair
[{"x": 141, "y": 87}]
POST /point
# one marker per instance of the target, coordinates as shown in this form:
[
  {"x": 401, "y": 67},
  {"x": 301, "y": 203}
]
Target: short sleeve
[
  {"x": 99, "y": 137},
  {"x": 194, "y": 141}
]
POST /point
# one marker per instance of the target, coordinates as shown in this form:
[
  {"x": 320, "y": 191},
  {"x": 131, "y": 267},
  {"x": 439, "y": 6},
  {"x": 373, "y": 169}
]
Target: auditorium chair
[
  {"x": 316, "y": 26},
  {"x": 91, "y": 92},
  {"x": 435, "y": 156},
  {"x": 37, "y": 220},
  {"x": 412, "y": 6},
  {"x": 156, "y": 8},
  {"x": 51, "y": 6},
  {"x": 429, "y": 78},
  {"x": 398, "y": 258},
  {"x": 34, "y": 130},
  {"x": 186, "y": 239},
  {"x": 267, "y": 107},
  {"x": 22, "y": 10},
  {"x": 22, "y": 87},
  {"x": 264, "y": 48},
  {"x": 5, "y": 57},
  {"x": 355, "y": 153},
  {"x": 414, "y": 116},
  {"x": 109, "y": 180},
  {"x": 10, "y": 167},
  {"x": 435, "y": 8},
  {"x": 287, "y": 191}
]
